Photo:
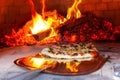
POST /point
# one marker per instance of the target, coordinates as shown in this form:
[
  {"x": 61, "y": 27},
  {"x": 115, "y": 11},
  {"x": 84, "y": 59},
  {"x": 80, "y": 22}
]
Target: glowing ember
[
  {"x": 97, "y": 29},
  {"x": 73, "y": 38}
]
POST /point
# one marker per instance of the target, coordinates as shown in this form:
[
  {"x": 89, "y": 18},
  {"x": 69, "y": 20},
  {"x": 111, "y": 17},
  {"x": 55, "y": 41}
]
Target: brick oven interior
[{"x": 14, "y": 14}]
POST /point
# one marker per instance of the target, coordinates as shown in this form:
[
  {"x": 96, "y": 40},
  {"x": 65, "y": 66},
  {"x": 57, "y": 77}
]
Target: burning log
[
  {"x": 87, "y": 28},
  {"x": 42, "y": 35},
  {"x": 95, "y": 29},
  {"x": 62, "y": 28},
  {"x": 76, "y": 22}
]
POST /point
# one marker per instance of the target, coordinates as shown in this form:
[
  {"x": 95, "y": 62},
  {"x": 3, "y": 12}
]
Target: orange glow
[
  {"x": 72, "y": 66},
  {"x": 73, "y": 38},
  {"x": 49, "y": 20},
  {"x": 37, "y": 62},
  {"x": 42, "y": 63},
  {"x": 73, "y": 12},
  {"x": 40, "y": 23},
  {"x": 43, "y": 9},
  {"x": 46, "y": 21}
]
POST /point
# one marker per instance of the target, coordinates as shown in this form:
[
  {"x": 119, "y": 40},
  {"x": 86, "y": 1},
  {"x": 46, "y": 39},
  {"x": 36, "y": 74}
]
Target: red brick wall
[
  {"x": 13, "y": 11},
  {"x": 13, "y": 14},
  {"x": 103, "y": 8},
  {"x": 19, "y": 11}
]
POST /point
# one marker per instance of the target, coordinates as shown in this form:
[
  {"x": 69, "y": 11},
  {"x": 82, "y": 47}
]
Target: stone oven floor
[{"x": 9, "y": 69}]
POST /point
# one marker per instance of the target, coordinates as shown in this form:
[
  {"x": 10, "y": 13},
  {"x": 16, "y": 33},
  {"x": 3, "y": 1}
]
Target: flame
[
  {"x": 72, "y": 66},
  {"x": 43, "y": 9},
  {"x": 42, "y": 63},
  {"x": 41, "y": 23},
  {"x": 37, "y": 62},
  {"x": 46, "y": 21},
  {"x": 50, "y": 20},
  {"x": 74, "y": 11}
]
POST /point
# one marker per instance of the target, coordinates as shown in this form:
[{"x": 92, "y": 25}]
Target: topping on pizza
[{"x": 74, "y": 51}]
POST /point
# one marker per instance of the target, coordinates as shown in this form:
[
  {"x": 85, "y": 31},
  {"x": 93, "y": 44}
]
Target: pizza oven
[{"x": 77, "y": 33}]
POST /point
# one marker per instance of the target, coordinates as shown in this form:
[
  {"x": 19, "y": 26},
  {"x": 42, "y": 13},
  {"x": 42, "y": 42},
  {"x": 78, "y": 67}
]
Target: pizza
[{"x": 70, "y": 51}]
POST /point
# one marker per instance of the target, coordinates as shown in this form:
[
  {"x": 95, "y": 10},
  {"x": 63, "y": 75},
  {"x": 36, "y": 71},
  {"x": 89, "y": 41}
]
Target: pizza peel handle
[{"x": 29, "y": 75}]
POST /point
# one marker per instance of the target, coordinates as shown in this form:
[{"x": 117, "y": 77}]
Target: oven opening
[{"x": 49, "y": 21}]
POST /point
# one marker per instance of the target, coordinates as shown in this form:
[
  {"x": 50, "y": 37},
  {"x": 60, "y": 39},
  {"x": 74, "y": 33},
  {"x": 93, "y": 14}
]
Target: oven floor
[{"x": 10, "y": 70}]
